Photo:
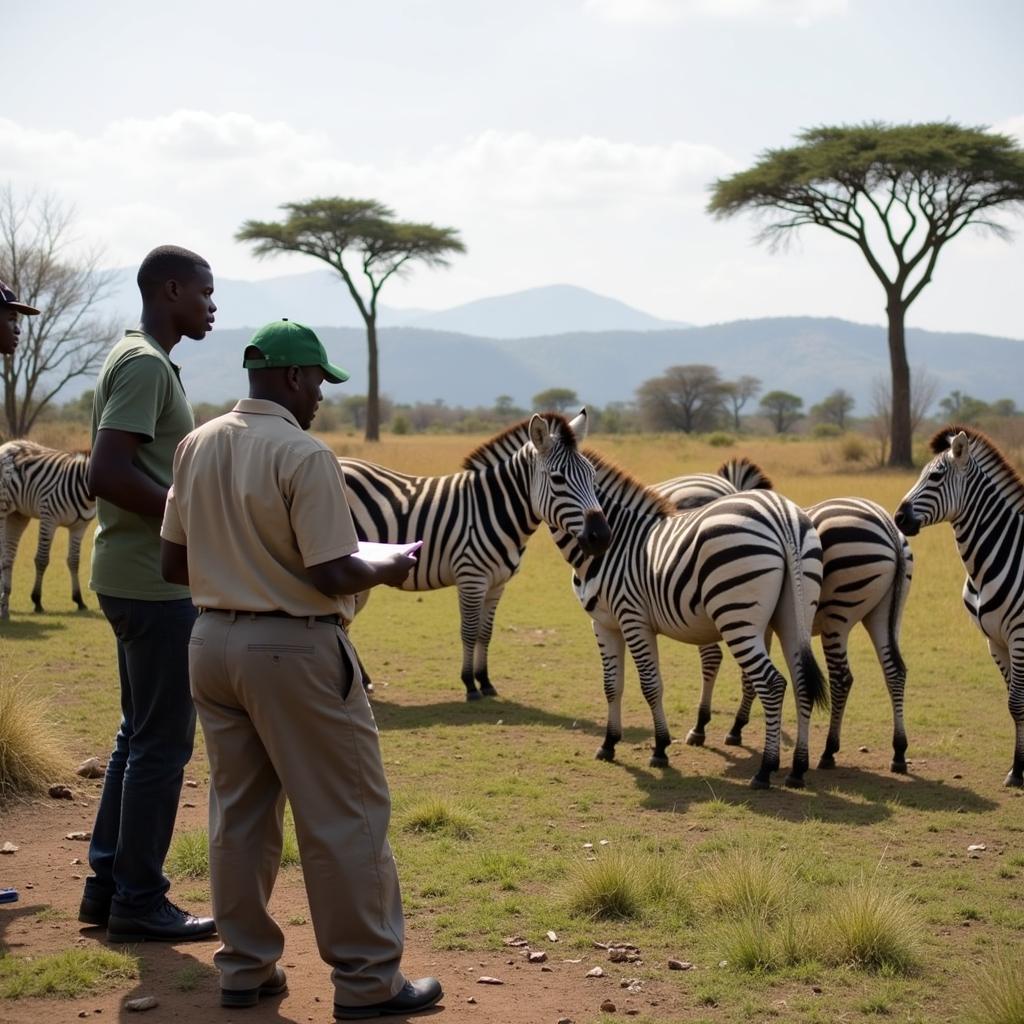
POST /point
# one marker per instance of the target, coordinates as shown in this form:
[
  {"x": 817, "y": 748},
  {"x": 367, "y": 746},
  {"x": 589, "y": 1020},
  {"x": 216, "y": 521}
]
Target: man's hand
[
  {"x": 350, "y": 574},
  {"x": 394, "y": 571}
]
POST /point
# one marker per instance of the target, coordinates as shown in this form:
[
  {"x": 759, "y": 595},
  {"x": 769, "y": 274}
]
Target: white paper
[{"x": 369, "y": 551}]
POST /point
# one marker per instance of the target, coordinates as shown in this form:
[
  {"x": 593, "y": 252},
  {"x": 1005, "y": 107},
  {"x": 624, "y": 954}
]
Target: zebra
[
  {"x": 475, "y": 524},
  {"x": 970, "y": 484},
  {"x": 696, "y": 489},
  {"x": 867, "y": 567},
  {"x": 51, "y": 486},
  {"x": 729, "y": 570}
]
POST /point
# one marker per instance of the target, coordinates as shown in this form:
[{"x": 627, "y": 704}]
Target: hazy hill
[{"x": 810, "y": 357}]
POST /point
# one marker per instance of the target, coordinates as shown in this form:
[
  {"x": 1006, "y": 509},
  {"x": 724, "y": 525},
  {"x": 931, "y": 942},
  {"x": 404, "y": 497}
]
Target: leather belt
[{"x": 333, "y": 620}]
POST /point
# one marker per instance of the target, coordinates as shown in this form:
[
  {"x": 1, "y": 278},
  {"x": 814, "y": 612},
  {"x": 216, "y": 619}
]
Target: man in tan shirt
[{"x": 258, "y": 526}]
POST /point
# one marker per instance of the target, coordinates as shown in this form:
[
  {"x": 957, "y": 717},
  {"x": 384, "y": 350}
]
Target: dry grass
[
  {"x": 996, "y": 994},
  {"x": 874, "y": 927},
  {"x": 745, "y": 884},
  {"x": 30, "y": 755}
]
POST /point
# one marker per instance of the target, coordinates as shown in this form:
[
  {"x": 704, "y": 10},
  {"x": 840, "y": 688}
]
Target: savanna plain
[{"x": 857, "y": 898}]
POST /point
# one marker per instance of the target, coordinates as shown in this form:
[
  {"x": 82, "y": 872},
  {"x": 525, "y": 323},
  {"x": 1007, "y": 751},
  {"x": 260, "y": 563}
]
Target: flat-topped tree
[
  {"x": 376, "y": 246},
  {"x": 898, "y": 192}
]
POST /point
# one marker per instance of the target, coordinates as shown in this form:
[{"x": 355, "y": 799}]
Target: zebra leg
[
  {"x": 46, "y": 531},
  {"x": 471, "y": 608},
  {"x": 735, "y": 735},
  {"x": 483, "y": 641},
  {"x": 613, "y": 662},
  {"x": 1011, "y": 664},
  {"x": 887, "y": 647},
  {"x": 840, "y": 682},
  {"x": 710, "y": 662},
  {"x": 75, "y": 533},
  {"x": 643, "y": 645},
  {"x": 770, "y": 686},
  {"x": 14, "y": 527}
]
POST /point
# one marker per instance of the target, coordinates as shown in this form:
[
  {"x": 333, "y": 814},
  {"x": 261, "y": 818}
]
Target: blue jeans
[{"x": 139, "y": 804}]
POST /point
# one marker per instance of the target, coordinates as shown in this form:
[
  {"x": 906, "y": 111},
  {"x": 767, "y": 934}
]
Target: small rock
[
  {"x": 595, "y": 972},
  {"x": 9, "y": 847},
  {"x": 723, "y": 963},
  {"x": 976, "y": 847},
  {"x": 76, "y": 878},
  {"x": 864, "y": 750},
  {"x": 83, "y": 837},
  {"x": 632, "y": 1011},
  {"x": 487, "y": 980},
  {"x": 547, "y": 970},
  {"x": 600, "y": 945},
  {"x": 191, "y": 783},
  {"x": 578, "y": 960},
  {"x": 957, "y": 776},
  {"x": 974, "y": 856},
  {"x": 471, "y": 999},
  {"x": 816, "y": 989},
  {"x": 608, "y": 1006},
  {"x": 588, "y": 846},
  {"x": 143, "y": 1003},
  {"x": 916, "y": 864},
  {"x": 91, "y": 768},
  {"x": 604, "y": 842},
  {"x": 680, "y": 965},
  {"x": 552, "y": 937},
  {"x": 537, "y": 957},
  {"x": 61, "y": 793},
  {"x": 83, "y": 1013},
  {"x": 565, "y": 1020},
  {"x": 516, "y": 940},
  {"x": 76, "y": 860},
  {"x": 187, "y": 804}
]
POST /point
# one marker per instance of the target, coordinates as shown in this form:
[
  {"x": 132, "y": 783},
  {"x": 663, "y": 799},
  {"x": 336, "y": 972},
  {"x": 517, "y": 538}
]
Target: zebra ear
[
  {"x": 959, "y": 448},
  {"x": 539, "y": 433},
  {"x": 578, "y": 424}
]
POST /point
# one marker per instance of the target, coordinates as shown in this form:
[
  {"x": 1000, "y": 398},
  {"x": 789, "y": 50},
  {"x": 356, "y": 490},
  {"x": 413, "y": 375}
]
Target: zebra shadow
[
  {"x": 32, "y": 627},
  {"x": 392, "y": 716}
]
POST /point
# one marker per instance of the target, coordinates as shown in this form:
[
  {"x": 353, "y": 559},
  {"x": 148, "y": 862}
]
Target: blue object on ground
[{"x": 8, "y": 895}]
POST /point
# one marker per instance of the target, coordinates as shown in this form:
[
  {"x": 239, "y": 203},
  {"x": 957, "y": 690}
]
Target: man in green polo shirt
[{"x": 140, "y": 413}]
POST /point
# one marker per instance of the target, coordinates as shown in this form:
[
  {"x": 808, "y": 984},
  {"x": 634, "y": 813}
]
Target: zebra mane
[
  {"x": 616, "y": 486},
  {"x": 745, "y": 475},
  {"x": 996, "y": 465},
  {"x": 503, "y": 446}
]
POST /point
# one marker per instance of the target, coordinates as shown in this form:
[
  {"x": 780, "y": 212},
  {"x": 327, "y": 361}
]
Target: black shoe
[
  {"x": 94, "y": 910},
  {"x": 167, "y": 923},
  {"x": 275, "y": 985},
  {"x": 412, "y": 997}
]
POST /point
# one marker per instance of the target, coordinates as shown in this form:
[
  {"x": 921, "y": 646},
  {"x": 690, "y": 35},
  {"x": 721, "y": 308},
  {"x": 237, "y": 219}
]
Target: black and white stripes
[{"x": 51, "y": 486}]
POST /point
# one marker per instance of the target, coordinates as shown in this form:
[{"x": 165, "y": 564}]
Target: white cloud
[{"x": 662, "y": 12}]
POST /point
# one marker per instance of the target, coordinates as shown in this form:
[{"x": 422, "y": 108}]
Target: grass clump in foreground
[
  {"x": 66, "y": 975},
  {"x": 873, "y": 927},
  {"x": 996, "y": 994},
  {"x": 30, "y": 756},
  {"x": 189, "y": 855},
  {"x": 627, "y": 885},
  {"x": 744, "y": 884},
  {"x": 438, "y": 815}
]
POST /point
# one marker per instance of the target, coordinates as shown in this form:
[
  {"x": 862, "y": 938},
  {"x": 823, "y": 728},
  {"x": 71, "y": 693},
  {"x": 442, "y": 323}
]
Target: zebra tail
[{"x": 813, "y": 678}]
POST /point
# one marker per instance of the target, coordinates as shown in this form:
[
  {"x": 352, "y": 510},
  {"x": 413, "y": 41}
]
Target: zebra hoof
[
  {"x": 795, "y": 782},
  {"x": 1014, "y": 781},
  {"x": 827, "y": 762},
  {"x": 733, "y": 739},
  {"x": 694, "y": 738},
  {"x": 899, "y": 767},
  {"x": 474, "y": 695},
  {"x": 488, "y": 690},
  {"x": 604, "y": 754},
  {"x": 758, "y": 783},
  {"x": 658, "y": 761}
]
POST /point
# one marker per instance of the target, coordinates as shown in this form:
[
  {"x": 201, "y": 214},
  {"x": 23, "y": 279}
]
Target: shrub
[
  {"x": 30, "y": 757},
  {"x": 401, "y": 425},
  {"x": 825, "y": 430},
  {"x": 853, "y": 448},
  {"x": 719, "y": 439}
]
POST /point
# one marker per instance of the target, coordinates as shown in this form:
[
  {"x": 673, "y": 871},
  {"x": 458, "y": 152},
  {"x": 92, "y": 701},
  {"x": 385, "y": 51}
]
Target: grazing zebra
[
  {"x": 696, "y": 489},
  {"x": 730, "y": 570},
  {"x": 970, "y": 484},
  {"x": 475, "y": 524},
  {"x": 866, "y": 572},
  {"x": 51, "y": 486}
]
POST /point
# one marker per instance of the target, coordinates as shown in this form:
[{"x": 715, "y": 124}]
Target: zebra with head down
[
  {"x": 475, "y": 524},
  {"x": 970, "y": 484}
]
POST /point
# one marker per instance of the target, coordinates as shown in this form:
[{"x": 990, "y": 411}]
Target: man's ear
[{"x": 172, "y": 290}]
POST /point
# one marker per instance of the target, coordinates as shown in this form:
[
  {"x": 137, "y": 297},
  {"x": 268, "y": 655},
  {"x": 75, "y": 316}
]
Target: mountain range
[{"x": 563, "y": 336}]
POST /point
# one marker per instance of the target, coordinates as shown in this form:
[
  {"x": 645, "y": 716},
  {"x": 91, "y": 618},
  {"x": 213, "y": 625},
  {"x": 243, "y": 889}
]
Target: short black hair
[{"x": 167, "y": 263}]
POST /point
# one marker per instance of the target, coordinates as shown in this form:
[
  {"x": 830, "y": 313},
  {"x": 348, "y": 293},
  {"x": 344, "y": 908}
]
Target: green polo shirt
[{"x": 138, "y": 391}]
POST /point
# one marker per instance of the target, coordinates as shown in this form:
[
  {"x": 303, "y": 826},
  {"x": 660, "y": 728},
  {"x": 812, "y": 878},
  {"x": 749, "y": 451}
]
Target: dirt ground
[{"x": 48, "y": 870}]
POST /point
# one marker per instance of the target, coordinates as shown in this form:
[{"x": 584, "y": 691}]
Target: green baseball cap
[{"x": 289, "y": 343}]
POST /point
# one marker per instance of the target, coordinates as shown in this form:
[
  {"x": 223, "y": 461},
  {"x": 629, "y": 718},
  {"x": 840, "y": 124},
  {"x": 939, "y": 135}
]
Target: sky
[{"x": 569, "y": 141}]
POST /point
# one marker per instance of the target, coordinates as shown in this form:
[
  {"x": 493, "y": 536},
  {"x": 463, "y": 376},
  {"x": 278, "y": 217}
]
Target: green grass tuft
[
  {"x": 439, "y": 815},
  {"x": 189, "y": 855},
  {"x": 744, "y": 883},
  {"x": 873, "y": 927},
  {"x": 609, "y": 888},
  {"x": 996, "y": 992},
  {"x": 65, "y": 975}
]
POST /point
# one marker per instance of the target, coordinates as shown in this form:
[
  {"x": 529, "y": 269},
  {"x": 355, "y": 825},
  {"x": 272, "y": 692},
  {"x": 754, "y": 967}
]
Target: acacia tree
[
  {"x": 684, "y": 398},
  {"x": 782, "y": 408},
  {"x": 737, "y": 393},
  {"x": 834, "y": 408},
  {"x": 69, "y": 338},
  {"x": 355, "y": 236},
  {"x": 899, "y": 193},
  {"x": 556, "y": 399}
]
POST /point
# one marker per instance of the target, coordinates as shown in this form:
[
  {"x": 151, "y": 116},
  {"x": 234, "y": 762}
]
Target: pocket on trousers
[
  {"x": 196, "y": 641},
  {"x": 280, "y": 648},
  {"x": 348, "y": 670}
]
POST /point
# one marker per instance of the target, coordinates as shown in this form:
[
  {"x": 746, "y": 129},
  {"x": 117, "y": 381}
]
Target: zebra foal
[
  {"x": 475, "y": 524},
  {"x": 970, "y": 484},
  {"x": 51, "y": 486},
  {"x": 730, "y": 570},
  {"x": 867, "y": 568}
]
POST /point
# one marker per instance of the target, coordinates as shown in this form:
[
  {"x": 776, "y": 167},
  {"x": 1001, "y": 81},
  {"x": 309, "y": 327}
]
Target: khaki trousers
[{"x": 283, "y": 711}]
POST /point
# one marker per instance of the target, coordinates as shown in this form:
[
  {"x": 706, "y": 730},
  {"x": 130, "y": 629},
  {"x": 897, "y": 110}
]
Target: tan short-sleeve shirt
[{"x": 256, "y": 500}]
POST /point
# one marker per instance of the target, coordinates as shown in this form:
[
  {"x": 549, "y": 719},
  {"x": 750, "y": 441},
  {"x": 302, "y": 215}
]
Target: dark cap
[
  {"x": 10, "y": 301},
  {"x": 288, "y": 343}
]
